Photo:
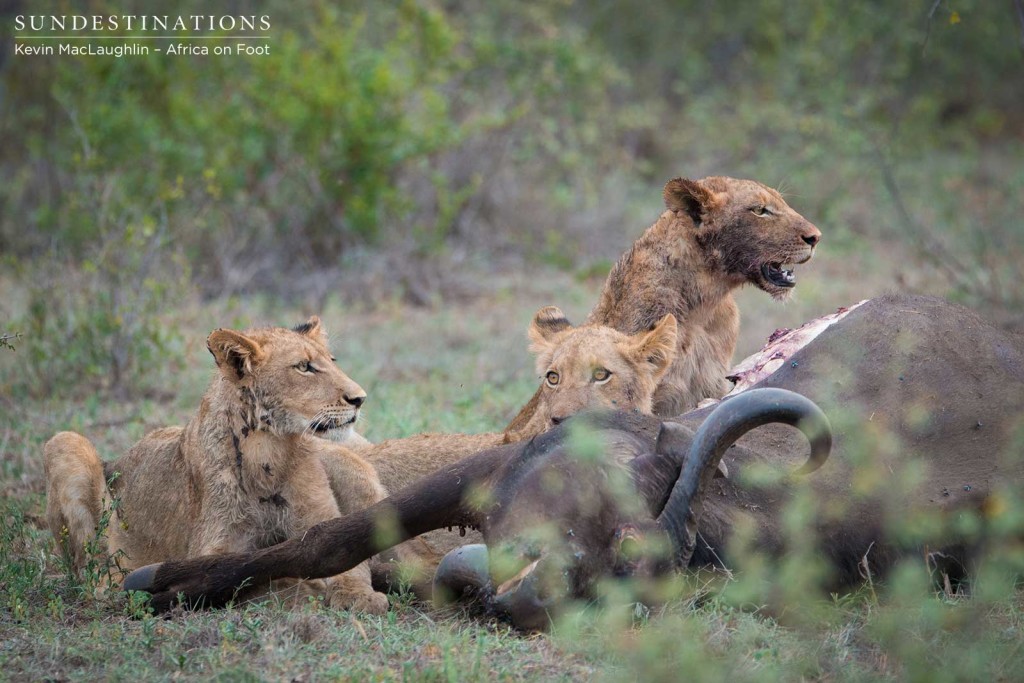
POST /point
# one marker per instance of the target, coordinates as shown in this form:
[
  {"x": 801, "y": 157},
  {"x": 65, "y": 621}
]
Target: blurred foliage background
[{"x": 389, "y": 149}]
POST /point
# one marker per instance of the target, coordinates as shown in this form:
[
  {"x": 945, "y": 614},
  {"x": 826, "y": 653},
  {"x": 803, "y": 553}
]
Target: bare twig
[
  {"x": 76, "y": 126},
  {"x": 7, "y": 338},
  {"x": 1020, "y": 17},
  {"x": 934, "y": 249},
  {"x": 359, "y": 628},
  {"x": 928, "y": 26},
  {"x": 118, "y": 422},
  {"x": 865, "y": 573}
]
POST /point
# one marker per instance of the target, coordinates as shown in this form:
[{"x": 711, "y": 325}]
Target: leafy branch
[{"x": 6, "y": 338}]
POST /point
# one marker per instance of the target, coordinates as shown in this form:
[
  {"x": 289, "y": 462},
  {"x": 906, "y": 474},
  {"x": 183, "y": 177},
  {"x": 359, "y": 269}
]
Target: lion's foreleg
[
  {"x": 353, "y": 480},
  {"x": 353, "y": 486}
]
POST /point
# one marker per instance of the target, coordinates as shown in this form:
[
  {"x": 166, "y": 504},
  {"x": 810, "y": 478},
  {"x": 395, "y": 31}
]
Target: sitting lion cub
[
  {"x": 717, "y": 235},
  {"x": 245, "y": 472}
]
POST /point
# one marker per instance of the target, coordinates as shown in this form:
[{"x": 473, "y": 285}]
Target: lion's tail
[{"x": 75, "y": 490}]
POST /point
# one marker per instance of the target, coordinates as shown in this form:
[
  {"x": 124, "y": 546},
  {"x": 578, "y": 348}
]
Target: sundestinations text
[{"x": 140, "y": 22}]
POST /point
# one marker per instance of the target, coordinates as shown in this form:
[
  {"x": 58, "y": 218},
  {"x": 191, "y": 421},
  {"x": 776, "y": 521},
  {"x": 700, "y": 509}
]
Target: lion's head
[
  {"x": 594, "y": 366},
  {"x": 287, "y": 380},
  {"x": 753, "y": 234}
]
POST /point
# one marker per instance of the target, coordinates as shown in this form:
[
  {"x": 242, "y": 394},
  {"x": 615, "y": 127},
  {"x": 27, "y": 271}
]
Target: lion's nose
[
  {"x": 357, "y": 400},
  {"x": 812, "y": 237}
]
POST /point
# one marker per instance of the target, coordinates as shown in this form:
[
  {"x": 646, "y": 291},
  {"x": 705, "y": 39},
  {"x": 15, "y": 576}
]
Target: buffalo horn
[{"x": 729, "y": 421}]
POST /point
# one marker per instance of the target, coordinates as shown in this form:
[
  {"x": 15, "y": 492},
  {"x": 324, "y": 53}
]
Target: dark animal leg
[{"x": 329, "y": 548}]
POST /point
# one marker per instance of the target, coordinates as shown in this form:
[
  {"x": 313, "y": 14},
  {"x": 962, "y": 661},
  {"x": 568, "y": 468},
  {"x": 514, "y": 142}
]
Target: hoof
[
  {"x": 141, "y": 579},
  {"x": 463, "y": 571},
  {"x": 520, "y": 601},
  {"x": 524, "y": 611}
]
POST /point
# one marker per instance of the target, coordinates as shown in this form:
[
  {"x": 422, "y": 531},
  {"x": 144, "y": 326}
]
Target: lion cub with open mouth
[
  {"x": 716, "y": 235},
  {"x": 244, "y": 473}
]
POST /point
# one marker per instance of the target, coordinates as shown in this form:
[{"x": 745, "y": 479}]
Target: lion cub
[
  {"x": 244, "y": 473},
  {"x": 593, "y": 366},
  {"x": 590, "y": 366},
  {"x": 584, "y": 367},
  {"x": 717, "y": 235}
]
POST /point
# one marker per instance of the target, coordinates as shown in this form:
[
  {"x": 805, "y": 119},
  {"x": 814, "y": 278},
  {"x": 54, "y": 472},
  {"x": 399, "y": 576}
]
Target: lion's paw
[{"x": 367, "y": 603}]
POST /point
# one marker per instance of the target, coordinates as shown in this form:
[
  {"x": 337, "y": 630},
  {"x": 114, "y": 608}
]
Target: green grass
[{"x": 462, "y": 367}]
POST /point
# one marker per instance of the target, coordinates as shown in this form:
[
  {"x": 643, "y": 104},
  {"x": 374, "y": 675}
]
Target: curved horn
[
  {"x": 728, "y": 422},
  {"x": 462, "y": 571}
]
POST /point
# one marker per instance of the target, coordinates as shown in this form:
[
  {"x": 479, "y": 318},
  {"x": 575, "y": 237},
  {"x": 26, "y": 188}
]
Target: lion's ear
[
  {"x": 236, "y": 354},
  {"x": 691, "y": 197},
  {"x": 547, "y": 324},
  {"x": 312, "y": 328},
  {"x": 656, "y": 347}
]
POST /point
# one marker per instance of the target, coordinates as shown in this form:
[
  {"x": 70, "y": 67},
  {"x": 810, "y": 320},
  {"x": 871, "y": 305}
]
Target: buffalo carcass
[{"x": 904, "y": 380}]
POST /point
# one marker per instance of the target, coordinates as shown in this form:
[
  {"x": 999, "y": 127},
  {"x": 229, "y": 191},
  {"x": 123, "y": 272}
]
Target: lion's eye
[
  {"x": 304, "y": 366},
  {"x": 761, "y": 211},
  {"x": 552, "y": 378},
  {"x": 602, "y": 375}
]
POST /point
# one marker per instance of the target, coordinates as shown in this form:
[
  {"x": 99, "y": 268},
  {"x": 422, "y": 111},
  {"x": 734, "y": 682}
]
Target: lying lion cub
[
  {"x": 244, "y": 473},
  {"x": 590, "y": 366},
  {"x": 584, "y": 367}
]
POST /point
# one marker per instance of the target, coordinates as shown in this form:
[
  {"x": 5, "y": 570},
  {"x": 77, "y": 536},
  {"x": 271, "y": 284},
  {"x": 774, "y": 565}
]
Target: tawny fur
[
  {"x": 922, "y": 432},
  {"x": 594, "y": 366},
  {"x": 709, "y": 242},
  {"x": 75, "y": 494},
  {"x": 247, "y": 470},
  {"x": 635, "y": 363}
]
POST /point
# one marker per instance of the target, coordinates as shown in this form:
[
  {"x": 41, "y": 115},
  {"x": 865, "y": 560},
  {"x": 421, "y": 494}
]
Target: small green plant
[
  {"x": 137, "y": 608},
  {"x": 7, "y": 338},
  {"x": 102, "y": 569},
  {"x": 27, "y": 590}
]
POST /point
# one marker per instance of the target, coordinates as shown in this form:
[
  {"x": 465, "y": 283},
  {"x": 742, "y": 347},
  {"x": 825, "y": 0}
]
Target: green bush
[
  {"x": 362, "y": 127},
  {"x": 97, "y": 320}
]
